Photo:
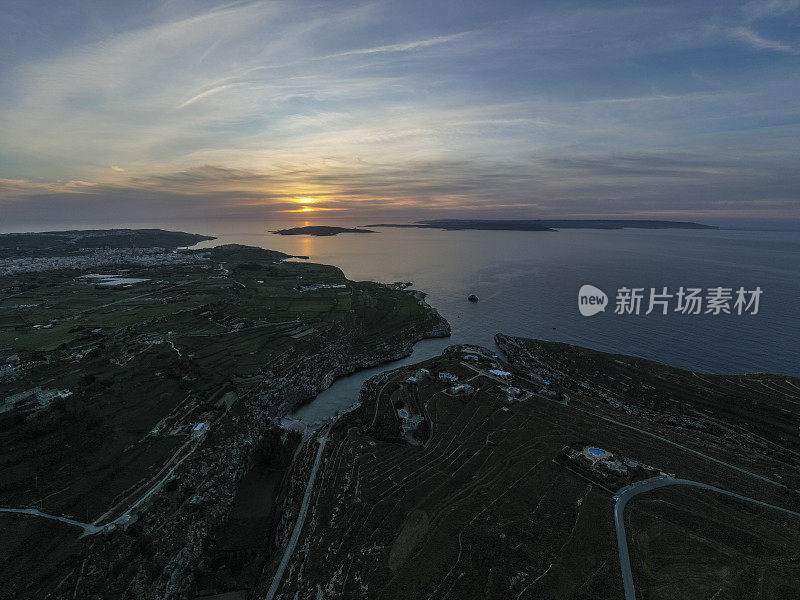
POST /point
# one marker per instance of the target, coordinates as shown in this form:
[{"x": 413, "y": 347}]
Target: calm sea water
[{"x": 527, "y": 283}]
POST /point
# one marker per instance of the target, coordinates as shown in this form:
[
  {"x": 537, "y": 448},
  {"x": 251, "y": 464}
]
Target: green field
[
  {"x": 145, "y": 363},
  {"x": 482, "y": 509}
]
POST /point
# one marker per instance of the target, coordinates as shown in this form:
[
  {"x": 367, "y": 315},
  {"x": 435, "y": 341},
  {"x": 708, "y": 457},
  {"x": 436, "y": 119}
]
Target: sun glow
[{"x": 308, "y": 205}]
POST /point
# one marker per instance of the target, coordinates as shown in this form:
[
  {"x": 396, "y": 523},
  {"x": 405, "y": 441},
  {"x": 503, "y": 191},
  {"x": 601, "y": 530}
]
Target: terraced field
[
  {"x": 751, "y": 420},
  {"x": 147, "y": 367},
  {"x": 480, "y": 508},
  {"x": 557, "y": 473},
  {"x": 690, "y": 543}
]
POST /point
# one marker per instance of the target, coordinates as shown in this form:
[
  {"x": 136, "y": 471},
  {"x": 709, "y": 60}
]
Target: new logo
[{"x": 591, "y": 300}]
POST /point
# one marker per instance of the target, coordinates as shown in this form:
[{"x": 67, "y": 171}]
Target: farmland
[
  {"x": 131, "y": 394},
  {"x": 482, "y": 505},
  {"x": 148, "y": 453}
]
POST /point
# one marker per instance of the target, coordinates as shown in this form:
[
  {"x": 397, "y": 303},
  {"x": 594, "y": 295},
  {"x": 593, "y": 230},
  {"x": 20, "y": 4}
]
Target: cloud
[
  {"x": 404, "y": 47},
  {"x": 211, "y": 92},
  {"x": 240, "y": 109},
  {"x": 548, "y": 184},
  {"x": 763, "y": 9},
  {"x": 751, "y": 38}
]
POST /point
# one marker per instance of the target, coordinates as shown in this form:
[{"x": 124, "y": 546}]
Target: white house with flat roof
[
  {"x": 500, "y": 373},
  {"x": 200, "y": 429}
]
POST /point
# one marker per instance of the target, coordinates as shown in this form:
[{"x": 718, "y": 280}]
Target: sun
[{"x": 308, "y": 205}]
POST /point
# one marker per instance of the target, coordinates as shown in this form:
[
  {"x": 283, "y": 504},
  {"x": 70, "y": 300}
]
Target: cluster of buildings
[
  {"x": 189, "y": 422},
  {"x": 9, "y": 364},
  {"x": 501, "y": 374},
  {"x": 605, "y": 468},
  {"x": 103, "y": 257},
  {"x": 418, "y": 376},
  {"x": 322, "y": 286},
  {"x": 408, "y": 422},
  {"x": 34, "y": 399},
  {"x": 408, "y": 410},
  {"x": 461, "y": 389},
  {"x": 104, "y": 280},
  {"x": 512, "y": 394}
]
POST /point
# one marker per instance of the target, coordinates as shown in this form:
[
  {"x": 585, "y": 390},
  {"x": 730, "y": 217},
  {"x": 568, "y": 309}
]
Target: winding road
[
  {"x": 301, "y": 519},
  {"x": 88, "y": 528},
  {"x": 147, "y": 490},
  {"x": 625, "y": 494}
]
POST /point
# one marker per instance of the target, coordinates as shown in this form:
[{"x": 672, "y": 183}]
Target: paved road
[
  {"x": 88, "y": 528},
  {"x": 97, "y": 526},
  {"x": 625, "y": 494},
  {"x": 598, "y": 415},
  {"x": 378, "y": 395},
  {"x": 301, "y": 519},
  {"x": 155, "y": 483},
  {"x": 643, "y": 486},
  {"x": 489, "y": 375}
]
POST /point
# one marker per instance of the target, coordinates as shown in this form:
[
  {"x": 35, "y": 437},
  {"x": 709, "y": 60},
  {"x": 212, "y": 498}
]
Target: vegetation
[
  {"x": 481, "y": 507},
  {"x": 58, "y": 243},
  {"x": 145, "y": 364},
  {"x": 320, "y": 230},
  {"x": 545, "y": 224}
]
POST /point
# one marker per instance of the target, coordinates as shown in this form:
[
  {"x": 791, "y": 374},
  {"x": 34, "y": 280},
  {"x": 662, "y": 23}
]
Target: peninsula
[
  {"x": 550, "y": 471},
  {"x": 55, "y": 243},
  {"x": 544, "y": 224}
]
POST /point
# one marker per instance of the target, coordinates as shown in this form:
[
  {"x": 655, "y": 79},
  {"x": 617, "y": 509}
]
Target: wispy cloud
[
  {"x": 245, "y": 106},
  {"x": 752, "y": 38},
  {"x": 404, "y": 47},
  {"x": 214, "y": 90},
  {"x": 549, "y": 182},
  {"x": 761, "y": 9}
]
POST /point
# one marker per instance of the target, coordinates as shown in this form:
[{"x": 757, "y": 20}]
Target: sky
[{"x": 120, "y": 111}]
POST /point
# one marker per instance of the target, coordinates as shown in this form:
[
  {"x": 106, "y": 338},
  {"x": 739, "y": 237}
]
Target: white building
[
  {"x": 461, "y": 388},
  {"x": 34, "y": 398},
  {"x": 200, "y": 429},
  {"x": 500, "y": 373}
]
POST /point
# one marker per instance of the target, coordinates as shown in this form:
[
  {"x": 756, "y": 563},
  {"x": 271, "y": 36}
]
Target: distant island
[
  {"x": 320, "y": 230},
  {"x": 55, "y": 243},
  {"x": 544, "y": 224}
]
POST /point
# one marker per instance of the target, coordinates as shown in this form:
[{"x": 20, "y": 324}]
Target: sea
[{"x": 527, "y": 285}]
